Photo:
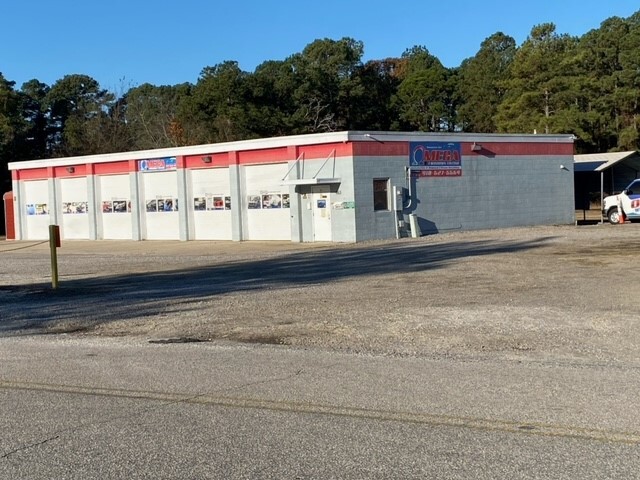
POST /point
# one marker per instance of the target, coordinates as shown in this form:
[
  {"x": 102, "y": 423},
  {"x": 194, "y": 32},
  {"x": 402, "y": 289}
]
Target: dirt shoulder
[{"x": 539, "y": 292}]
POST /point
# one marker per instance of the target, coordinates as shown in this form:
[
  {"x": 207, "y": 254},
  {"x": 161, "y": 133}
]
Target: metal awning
[
  {"x": 597, "y": 162},
  {"x": 312, "y": 181}
]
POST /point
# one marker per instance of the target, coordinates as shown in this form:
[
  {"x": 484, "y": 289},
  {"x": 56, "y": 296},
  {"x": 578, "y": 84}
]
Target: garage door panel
[
  {"x": 75, "y": 208},
  {"x": 266, "y": 204},
  {"x": 210, "y": 207},
  {"x": 115, "y": 207}
]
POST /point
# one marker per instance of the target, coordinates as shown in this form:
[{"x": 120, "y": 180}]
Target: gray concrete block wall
[
  {"x": 94, "y": 205},
  {"x": 370, "y": 224},
  {"x": 497, "y": 192},
  {"x": 236, "y": 181},
  {"x": 136, "y": 206},
  {"x": 184, "y": 206}
]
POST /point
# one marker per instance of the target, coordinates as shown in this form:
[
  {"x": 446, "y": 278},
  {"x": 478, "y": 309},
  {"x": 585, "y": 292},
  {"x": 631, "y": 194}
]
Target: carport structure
[{"x": 603, "y": 173}]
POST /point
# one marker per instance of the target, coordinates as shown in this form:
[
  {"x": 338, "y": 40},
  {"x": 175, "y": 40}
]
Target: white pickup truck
[{"x": 628, "y": 199}]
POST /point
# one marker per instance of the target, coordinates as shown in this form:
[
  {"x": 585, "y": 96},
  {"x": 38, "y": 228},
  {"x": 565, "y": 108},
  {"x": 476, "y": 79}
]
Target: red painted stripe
[
  {"x": 217, "y": 160},
  {"x": 62, "y": 172},
  {"x": 32, "y": 174},
  {"x": 342, "y": 149},
  {"x": 111, "y": 168},
  {"x": 271, "y": 155},
  {"x": 518, "y": 149},
  {"x": 285, "y": 154},
  {"x": 376, "y": 149},
  {"x": 281, "y": 155}
]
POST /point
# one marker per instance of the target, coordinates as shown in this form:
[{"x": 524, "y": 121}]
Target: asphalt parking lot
[{"x": 564, "y": 292}]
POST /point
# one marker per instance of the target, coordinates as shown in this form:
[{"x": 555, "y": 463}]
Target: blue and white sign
[
  {"x": 436, "y": 159},
  {"x": 157, "y": 164}
]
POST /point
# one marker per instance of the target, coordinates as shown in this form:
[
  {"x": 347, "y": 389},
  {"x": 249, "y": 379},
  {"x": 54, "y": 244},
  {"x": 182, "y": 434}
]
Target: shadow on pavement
[{"x": 96, "y": 300}]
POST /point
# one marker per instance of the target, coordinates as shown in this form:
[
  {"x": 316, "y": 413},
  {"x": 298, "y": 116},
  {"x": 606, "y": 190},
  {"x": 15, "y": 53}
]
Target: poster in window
[
  {"x": 120, "y": 206},
  {"x": 253, "y": 202},
  {"x": 272, "y": 200},
  {"x": 227, "y": 203},
  {"x": 152, "y": 206},
  {"x": 200, "y": 203},
  {"x": 285, "y": 200},
  {"x": 168, "y": 205},
  {"x": 42, "y": 209},
  {"x": 107, "y": 206},
  {"x": 218, "y": 202},
  {"x": 74, "y": 207}
]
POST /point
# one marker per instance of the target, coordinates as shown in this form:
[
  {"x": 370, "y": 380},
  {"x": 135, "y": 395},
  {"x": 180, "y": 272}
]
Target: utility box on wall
[{"x": 398, "y": 198}]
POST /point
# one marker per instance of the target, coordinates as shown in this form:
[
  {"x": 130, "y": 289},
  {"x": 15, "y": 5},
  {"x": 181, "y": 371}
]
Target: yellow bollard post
[{"x": 54, "y": 243}]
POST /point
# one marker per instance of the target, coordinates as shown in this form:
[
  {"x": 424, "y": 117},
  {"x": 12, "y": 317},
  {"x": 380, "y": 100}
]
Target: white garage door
[
  {"x": 75, "y": 208},
  {"x": 266, "y": 203},
  {"x": 211, "y": 206},
  {"x": 114, "y": 219},
  {"x": 160, "y": 206},
  {"x": 35, "y": 204}
]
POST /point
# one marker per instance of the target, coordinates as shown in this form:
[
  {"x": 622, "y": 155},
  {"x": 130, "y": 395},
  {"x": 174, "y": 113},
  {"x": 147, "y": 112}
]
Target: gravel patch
[{"x": 559, "y": 293}]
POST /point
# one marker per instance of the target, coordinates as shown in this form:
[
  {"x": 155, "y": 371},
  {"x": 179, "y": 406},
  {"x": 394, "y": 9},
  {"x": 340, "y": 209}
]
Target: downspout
[{"x": 408, "y": 184}]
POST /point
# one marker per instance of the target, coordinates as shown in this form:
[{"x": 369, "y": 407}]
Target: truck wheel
[{"x": 613, "y": 216}]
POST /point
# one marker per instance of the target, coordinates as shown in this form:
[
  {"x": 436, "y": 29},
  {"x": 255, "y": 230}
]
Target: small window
[{"x": 381, "y": 194}]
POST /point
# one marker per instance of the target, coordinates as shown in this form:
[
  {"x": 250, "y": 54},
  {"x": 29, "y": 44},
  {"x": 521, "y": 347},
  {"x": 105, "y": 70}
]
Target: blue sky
[{"x": 124, "y": 43}]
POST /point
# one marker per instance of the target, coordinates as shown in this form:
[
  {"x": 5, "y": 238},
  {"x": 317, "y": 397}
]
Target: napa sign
[
  {"x": 157, "y": 164},
  {"x": 435, "y": 159}
]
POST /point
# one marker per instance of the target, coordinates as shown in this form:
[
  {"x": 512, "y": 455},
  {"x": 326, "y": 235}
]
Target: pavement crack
[
  {"x": 165, "y": 399},
  {"x": 259, "y": 382},
  {"x": 30, "y": 446}
]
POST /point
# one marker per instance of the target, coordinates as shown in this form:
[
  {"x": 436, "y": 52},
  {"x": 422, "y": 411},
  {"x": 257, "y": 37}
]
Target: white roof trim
[
  {"x": 244, "y": 145},
  {"x": 294, "y": 140},
  {"x": 457, "y": 137}
]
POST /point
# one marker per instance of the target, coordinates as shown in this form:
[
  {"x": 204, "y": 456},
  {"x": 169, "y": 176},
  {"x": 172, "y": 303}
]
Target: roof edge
[{"x": 291, "y": 140}]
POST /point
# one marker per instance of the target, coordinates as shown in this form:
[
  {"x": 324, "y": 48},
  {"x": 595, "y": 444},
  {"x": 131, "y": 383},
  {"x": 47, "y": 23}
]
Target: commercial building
[{"x": 334, "y": 187}]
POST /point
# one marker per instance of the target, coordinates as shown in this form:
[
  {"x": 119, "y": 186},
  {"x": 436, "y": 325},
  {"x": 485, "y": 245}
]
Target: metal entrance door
[{"x": 321, "y": 208}]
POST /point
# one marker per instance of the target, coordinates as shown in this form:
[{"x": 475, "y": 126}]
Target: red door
[{"x": 9, "y": 221}]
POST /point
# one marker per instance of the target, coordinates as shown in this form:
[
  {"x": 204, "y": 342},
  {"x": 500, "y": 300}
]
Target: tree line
[{"x": 588, "y": 86}]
